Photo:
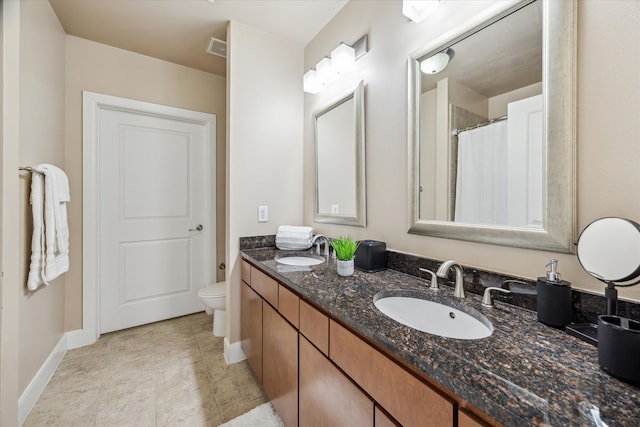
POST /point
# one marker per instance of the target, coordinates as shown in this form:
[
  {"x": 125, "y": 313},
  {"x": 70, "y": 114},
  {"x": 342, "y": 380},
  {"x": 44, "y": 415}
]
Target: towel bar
[{"x": 30, "y": 169}]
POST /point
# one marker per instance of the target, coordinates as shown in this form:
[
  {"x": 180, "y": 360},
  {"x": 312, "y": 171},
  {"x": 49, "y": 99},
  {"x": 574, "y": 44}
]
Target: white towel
[
  {"x": 290, "y": 235},
  {"x": 295, "y": 229},
  {"x": 50, "y": 240}
]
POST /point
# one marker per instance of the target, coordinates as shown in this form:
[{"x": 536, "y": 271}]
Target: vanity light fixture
[
  {"x": 436, "y": 63},
  {"x": 342, "y": 61},
  {"x": 326, "y": 72},
  {"x": 417, "y": 10}
]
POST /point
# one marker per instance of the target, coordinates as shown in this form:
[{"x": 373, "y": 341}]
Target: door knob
[{"x": 198, "y": 228}]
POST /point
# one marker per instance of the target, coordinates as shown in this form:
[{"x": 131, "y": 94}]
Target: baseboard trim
[
  {"x": 37, "y": 385},
  {"x": 233, "y": 352},
  {"x": 80, "y": 338}
]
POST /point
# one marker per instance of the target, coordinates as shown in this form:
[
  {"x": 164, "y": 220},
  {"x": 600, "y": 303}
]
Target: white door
[
  {"x": 526, "y": 162},
  {"x": 153, "y": 223}
]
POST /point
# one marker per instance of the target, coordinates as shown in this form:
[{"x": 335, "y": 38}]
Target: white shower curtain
[{"x": 481, "y": 187}]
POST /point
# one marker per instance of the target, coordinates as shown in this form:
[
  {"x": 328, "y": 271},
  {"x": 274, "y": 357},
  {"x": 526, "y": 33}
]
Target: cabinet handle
[{"x": 198, "y": 228}]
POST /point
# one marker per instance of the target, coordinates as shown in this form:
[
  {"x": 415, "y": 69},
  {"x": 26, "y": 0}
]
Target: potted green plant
[{"x": 345, "y": 248}]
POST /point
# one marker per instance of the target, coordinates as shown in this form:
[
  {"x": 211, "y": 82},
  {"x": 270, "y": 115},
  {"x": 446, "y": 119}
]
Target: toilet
[{"x": 214, "y": 298}]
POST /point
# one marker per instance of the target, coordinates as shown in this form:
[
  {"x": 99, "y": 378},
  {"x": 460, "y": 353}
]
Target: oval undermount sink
[
  {"x": 435, "y": 318},
  {"x": 301, "y": 261}
]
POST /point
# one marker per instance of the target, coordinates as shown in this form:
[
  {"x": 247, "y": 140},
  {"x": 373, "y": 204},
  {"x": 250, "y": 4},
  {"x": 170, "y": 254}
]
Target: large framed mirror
[
  {"x": 491, "y": 147},
  {"x": 340, "y": 163}
]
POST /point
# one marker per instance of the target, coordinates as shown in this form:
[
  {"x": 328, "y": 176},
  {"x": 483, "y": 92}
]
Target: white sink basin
[
  {"x": 435, "y": 318},
  {"x": 301, "y": 261}
]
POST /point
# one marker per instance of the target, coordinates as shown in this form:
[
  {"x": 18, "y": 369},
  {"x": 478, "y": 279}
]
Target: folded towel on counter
[
  {"x": 295, "y": 241},
  {"x": 291, "y": 237},
  {"x": 293, "y": 246},
  {"x": 295, "y": 229},
  {"x": 50, "y": 239}
]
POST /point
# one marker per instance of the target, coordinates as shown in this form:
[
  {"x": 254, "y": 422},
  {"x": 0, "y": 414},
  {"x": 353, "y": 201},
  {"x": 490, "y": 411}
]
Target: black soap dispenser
[{"x": 554, "y": 298}]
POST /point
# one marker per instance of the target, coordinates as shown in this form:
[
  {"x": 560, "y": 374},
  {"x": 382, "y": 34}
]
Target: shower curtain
[{"x": 481, "y": 187}]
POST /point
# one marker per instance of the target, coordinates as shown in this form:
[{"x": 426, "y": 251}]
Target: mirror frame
[
  {"x": 359, "y": 219},
  {"x": 559, "y": 122}
]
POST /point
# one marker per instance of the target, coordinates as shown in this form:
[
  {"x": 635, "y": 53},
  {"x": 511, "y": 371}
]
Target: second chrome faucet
[{"x": 443, "y": 271}]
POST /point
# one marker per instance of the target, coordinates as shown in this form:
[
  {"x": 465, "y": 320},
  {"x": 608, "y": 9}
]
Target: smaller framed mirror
[
  {"x": 609, "y": 250},
  {"x": 340, "y": 163}
]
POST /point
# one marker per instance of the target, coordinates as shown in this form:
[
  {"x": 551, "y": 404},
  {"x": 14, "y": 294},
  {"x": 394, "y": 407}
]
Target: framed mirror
[
  {"x": 340, "y": 167},
  {"x": 491, "y": 147}
]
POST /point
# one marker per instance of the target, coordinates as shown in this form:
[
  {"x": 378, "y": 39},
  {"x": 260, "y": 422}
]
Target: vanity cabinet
[{"x": 319, "y": 373}]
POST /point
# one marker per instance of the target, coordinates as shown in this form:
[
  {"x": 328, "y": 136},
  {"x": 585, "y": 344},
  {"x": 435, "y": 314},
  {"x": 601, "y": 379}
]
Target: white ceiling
[{"x": 179, "y": 31}]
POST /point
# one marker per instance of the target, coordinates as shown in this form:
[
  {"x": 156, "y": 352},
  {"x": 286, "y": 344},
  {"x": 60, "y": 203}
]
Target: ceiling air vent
[{"x": 217, "y": 47}]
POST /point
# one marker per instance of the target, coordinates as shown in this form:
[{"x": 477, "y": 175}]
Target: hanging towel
[{"x": 50, "y": 240}]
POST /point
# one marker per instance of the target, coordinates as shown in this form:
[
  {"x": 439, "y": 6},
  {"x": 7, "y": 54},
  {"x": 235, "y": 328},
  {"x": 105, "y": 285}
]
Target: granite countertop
[{"x": 525, "y": 373}]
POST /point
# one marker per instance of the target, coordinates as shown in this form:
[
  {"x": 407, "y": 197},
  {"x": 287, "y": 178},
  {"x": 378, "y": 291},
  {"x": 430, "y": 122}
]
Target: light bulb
[
  {"x": 325, "y": 71},
  {"x": 311, "y": 83},
  {"x": 417, "y": 10},
  {"x": 435, "y": 63},
  {"x": 343, "y": 58}
]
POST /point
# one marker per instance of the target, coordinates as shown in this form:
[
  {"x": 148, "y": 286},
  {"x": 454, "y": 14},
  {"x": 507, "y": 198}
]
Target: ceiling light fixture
[
  {"x": 342, "y": 61},
  {"x": 417, "y": 10},
  {"x": 436, "y": 63}
]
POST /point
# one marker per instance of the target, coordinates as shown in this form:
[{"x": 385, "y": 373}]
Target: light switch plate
[{"x": 263, "y": 213}]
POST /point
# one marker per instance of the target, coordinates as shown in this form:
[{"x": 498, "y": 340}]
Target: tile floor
[{"x": 170, "y": 373}]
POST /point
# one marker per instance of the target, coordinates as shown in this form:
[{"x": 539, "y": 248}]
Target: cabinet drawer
[
  {"x": 288, "y": 305},
  {"x": 315, "y": 326},
  {"x": 265, "y": 286},
  {"x": 245, "y": 271},
  {"x": 406, "y": 398}
]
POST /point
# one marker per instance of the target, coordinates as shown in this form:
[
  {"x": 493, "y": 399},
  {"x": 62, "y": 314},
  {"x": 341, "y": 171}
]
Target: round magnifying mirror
[{"x": 609, "y": 249}]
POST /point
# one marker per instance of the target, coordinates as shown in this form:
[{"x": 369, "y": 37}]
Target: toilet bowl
[{"x": 214, "y": 298}]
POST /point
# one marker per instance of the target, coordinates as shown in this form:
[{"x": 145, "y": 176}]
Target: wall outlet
[
  {"x": 335, "y": 209},
  {"x": 263, "y": 213}
]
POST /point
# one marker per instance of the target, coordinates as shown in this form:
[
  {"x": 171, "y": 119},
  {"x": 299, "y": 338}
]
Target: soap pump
[{"x": 554, "y": 298}]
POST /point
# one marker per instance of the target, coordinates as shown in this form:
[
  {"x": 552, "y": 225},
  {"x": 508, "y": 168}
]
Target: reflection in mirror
[
  {"x": 340, "y": 169},
  {"x": 491, "y": 152}
]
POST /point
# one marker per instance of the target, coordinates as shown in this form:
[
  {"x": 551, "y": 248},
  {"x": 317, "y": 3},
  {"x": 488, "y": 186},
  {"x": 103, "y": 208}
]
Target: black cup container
[
  {"x": 554, "y": 303},
  {"x": 619, "y": 347}
]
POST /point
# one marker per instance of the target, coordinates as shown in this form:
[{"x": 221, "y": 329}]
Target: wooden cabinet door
[
  {"x": 327, "y": 397},
  {"x": 407, "y": 399},
  {"x": 467, "y": 420},
  {"x": 251, "y": 328},
  {"x": 280, "y": 365}
]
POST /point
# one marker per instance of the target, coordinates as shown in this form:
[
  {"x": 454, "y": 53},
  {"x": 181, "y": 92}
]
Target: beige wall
[
  {"x": 42, "y": 47},
  {"x": 11, "y": 273},
  {"x": 104, "y": 69},
  {"x": 264, "y": 163},
  {"x": 607, "y": 113}
]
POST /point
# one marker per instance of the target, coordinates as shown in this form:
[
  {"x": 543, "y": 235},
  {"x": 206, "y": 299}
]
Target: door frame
[{"x": 92, "y": 103}]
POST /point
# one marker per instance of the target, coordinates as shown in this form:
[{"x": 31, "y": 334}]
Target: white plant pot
[{"x": 345, "y": 268}]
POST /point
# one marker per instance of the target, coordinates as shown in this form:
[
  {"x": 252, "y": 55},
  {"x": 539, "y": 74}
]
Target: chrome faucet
[
  {"x": 443, "y": 271},
  {"x": 317, "y": 241}
]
